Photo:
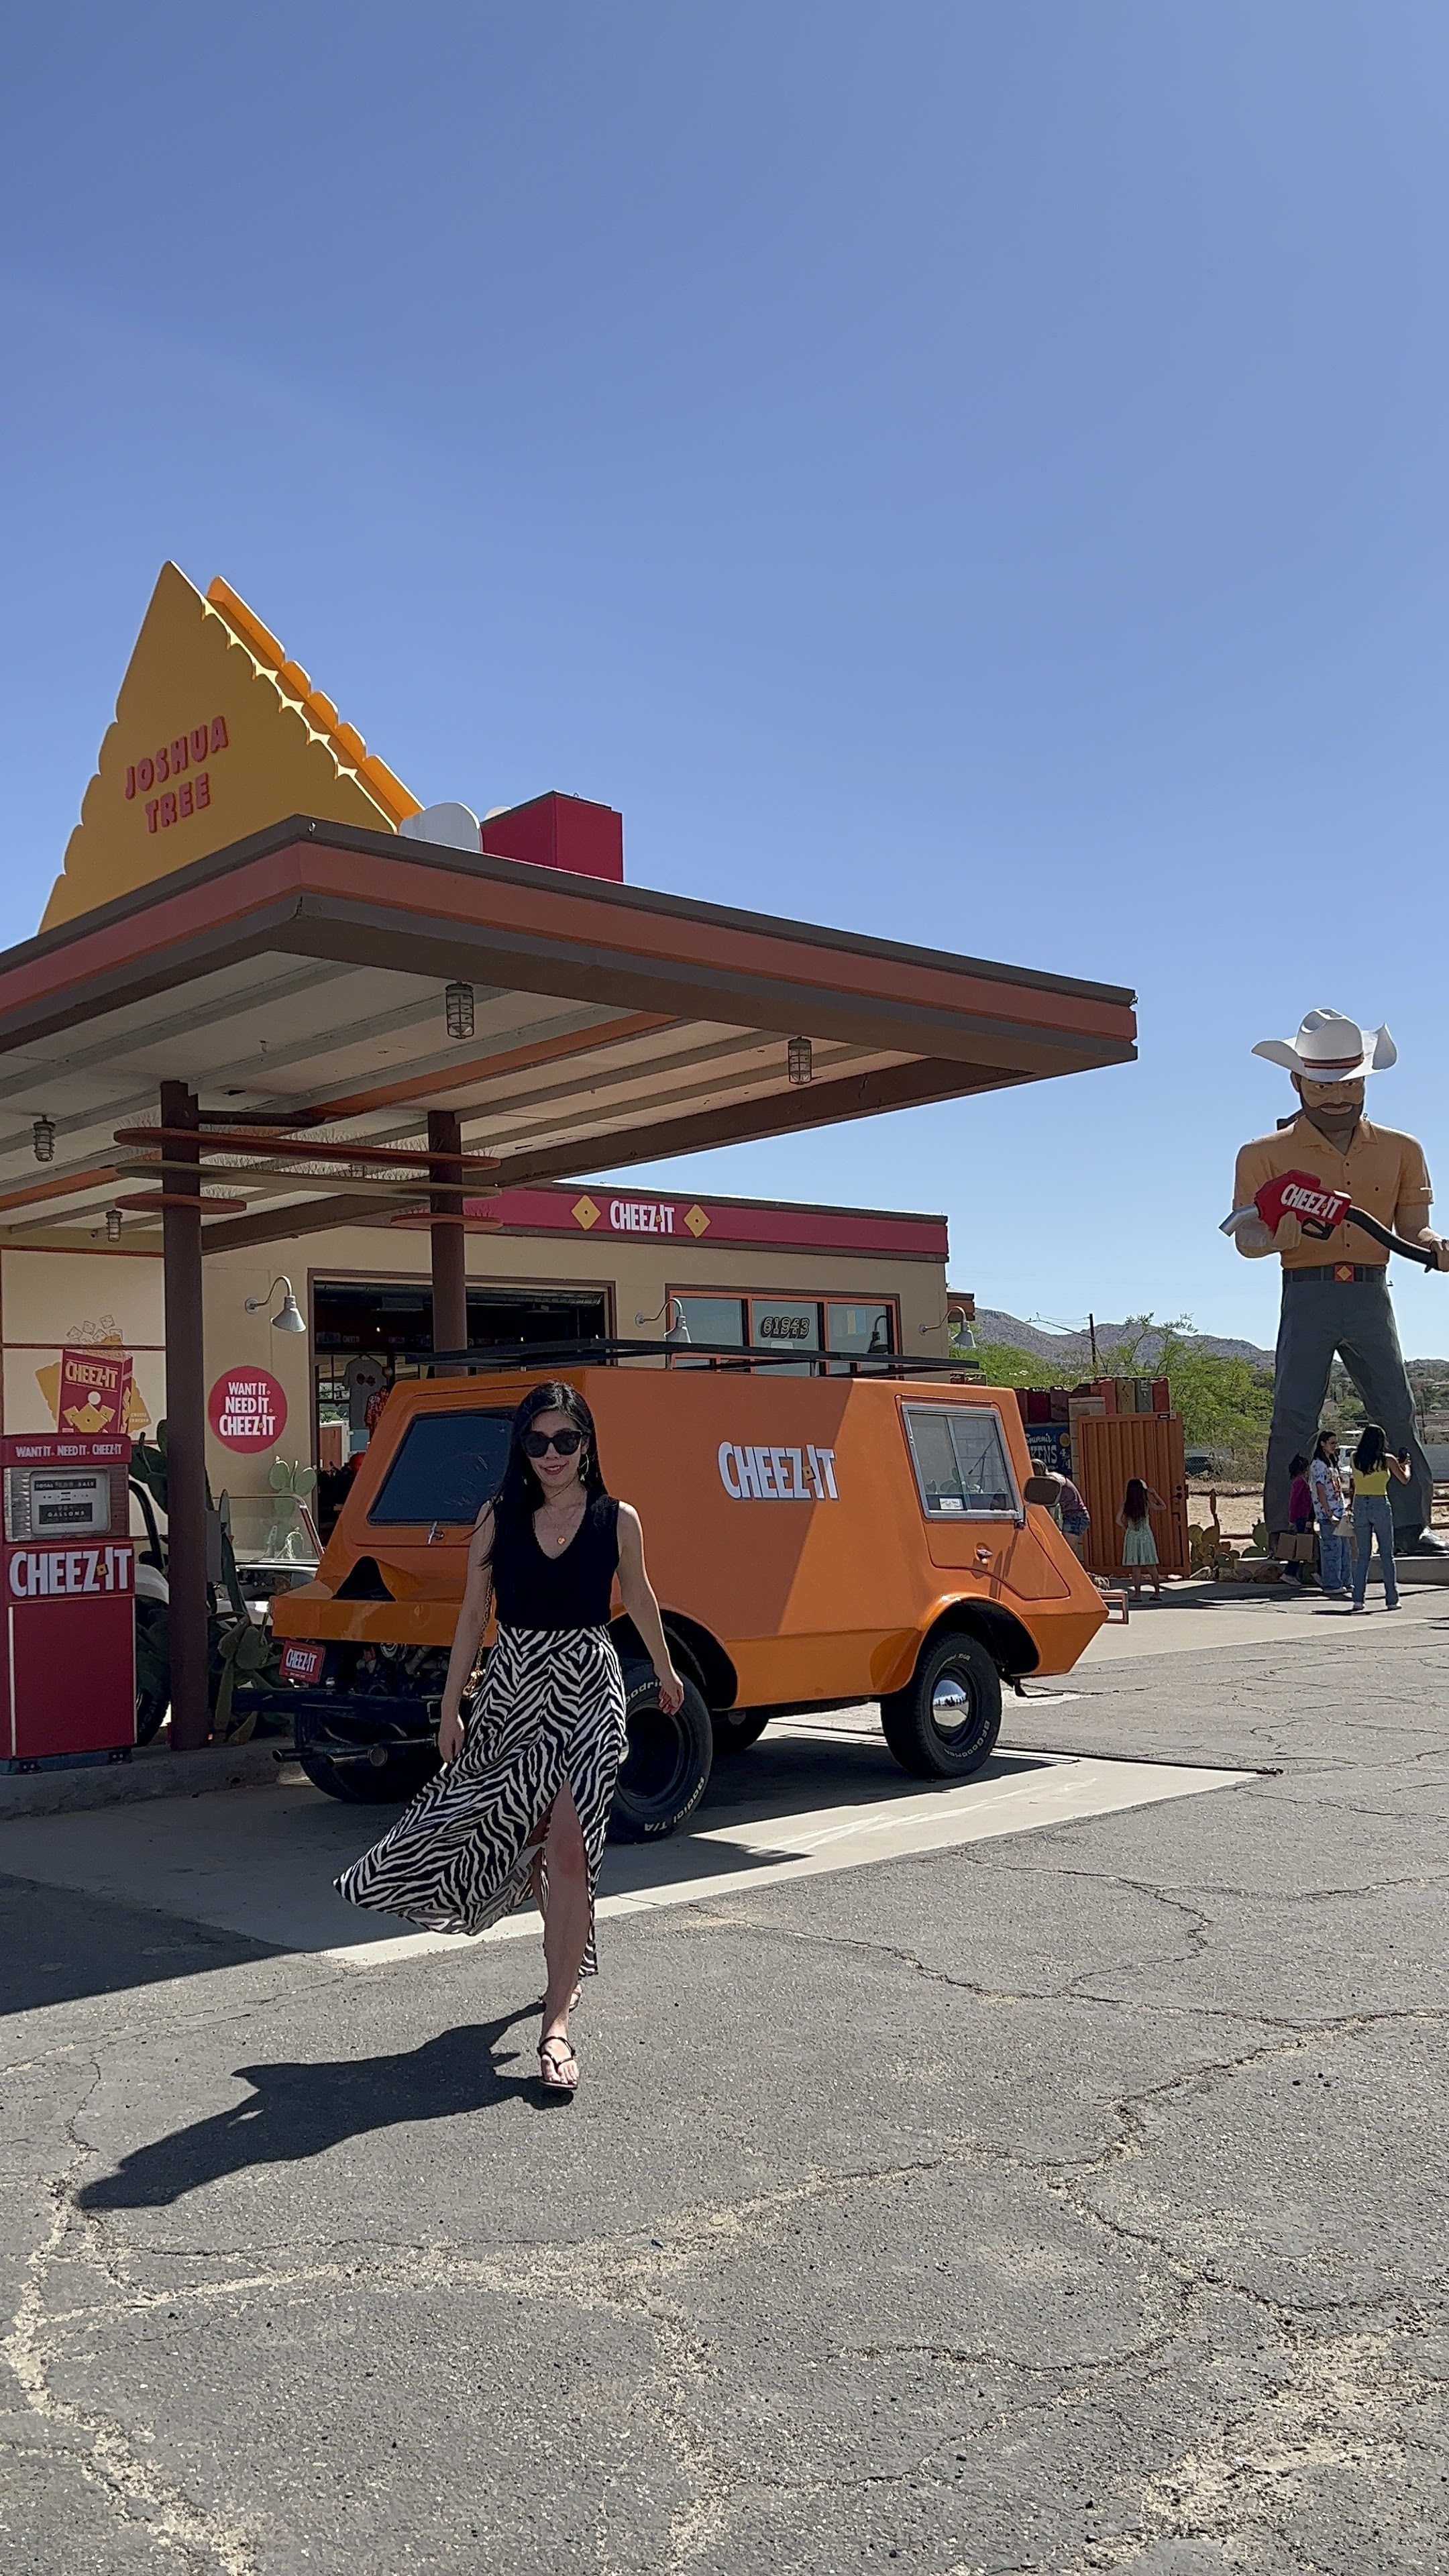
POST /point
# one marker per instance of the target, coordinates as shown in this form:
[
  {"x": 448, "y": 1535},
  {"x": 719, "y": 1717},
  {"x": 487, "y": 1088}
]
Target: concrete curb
[{"x": 152, "y": 1772}]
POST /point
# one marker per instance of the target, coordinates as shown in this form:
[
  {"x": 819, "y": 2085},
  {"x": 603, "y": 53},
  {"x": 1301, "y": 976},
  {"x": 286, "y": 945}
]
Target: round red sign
[{"x": 247, "y": 1408}]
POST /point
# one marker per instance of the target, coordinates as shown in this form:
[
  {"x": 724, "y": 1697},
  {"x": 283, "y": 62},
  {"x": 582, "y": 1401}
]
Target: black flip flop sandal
[{"x": 548, "y": 2076}]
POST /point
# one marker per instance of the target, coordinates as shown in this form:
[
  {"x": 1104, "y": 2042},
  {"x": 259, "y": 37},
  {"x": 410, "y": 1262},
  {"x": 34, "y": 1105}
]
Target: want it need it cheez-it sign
[{"x": 247, "y": 1408}]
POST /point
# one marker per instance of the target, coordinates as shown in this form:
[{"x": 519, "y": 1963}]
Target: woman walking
[
  {"x": 1373, "y": 1514},
  {"x": 1325, "y": 1484},
  {"x": 1139, "y": 1547},
  {"x": 530, "y": 1779}
]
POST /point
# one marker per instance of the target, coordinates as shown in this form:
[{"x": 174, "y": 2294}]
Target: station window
[
  {"x": 961, "y": 1463},
  {"x": 712, "y": 1320},
  {"x": 860, "y": 1332},
  {"x": 782, "y": 1324},
  {"x": 827, "y": 1333}
]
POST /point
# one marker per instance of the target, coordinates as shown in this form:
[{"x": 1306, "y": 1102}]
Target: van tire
[
  {"x": 921, "y": 1726},
  {"x": 735, "y": 1730},
  {"x": 372, "y": 1784},
  {"x": 666, "y": 1768}
]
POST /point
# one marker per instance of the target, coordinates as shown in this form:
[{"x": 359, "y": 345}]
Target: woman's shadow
[{"x": 296, "y": 2111}]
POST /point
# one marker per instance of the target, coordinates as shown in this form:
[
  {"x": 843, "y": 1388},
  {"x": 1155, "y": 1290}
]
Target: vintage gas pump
[{"x": 67, "y": 1578}]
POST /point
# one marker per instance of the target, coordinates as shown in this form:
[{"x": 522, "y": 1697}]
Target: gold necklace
[{"x": 560, "y": 1537}]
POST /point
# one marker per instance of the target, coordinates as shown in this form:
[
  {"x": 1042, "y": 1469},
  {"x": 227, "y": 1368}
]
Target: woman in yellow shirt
[{"x": 1372, "y": 1516}]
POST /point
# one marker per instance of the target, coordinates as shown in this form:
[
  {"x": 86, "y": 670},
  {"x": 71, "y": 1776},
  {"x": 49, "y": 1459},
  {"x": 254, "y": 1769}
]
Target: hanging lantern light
[
  {"x": 458, "y": 1002},
  {"x": 42, "y": 1136},
  {"x": 113, "y": 1225},
  {"x": 800, "y": 1062}
]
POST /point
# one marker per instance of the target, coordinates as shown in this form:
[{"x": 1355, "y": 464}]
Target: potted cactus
[{"x": 291, "y": 1485}]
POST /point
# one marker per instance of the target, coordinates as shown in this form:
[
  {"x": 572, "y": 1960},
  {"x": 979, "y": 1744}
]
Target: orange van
[{"x": 813, "y": 1541}]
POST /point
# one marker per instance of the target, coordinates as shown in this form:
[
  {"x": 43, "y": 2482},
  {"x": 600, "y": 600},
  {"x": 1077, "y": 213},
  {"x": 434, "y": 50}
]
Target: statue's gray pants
[{"x": 1355, "y": 1319}]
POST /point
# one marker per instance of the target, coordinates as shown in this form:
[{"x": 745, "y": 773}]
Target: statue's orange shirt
[{"x": 1381, "y": 1171}]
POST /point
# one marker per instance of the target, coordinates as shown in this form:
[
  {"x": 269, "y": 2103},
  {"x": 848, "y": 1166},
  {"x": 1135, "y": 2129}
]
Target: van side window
[
  {"x": 960, "y": 1461},
  {"x": 447, "y": 1467}
]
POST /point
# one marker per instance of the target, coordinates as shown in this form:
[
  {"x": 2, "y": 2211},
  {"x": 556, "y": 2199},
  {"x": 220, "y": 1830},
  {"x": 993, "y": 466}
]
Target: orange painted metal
[
  {"x": 823, "y": 1595},
  {"x": 1109, "y": 1449}
]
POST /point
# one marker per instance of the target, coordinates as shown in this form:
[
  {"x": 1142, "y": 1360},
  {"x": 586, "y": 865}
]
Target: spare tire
[{"x": 666, "y": 1767}]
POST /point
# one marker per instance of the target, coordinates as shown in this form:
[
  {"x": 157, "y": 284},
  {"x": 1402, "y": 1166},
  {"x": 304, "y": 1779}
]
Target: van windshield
[
  {"x": 960, "y": 1461},
  {"x": 447, "y": 1468}
]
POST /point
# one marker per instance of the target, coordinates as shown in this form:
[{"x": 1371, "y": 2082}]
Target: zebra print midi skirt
[{"x": 550, "y": 1715}]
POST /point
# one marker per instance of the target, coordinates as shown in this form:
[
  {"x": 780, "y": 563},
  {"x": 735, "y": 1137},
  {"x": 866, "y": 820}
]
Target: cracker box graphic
[{"x": 94, "y": 1391}]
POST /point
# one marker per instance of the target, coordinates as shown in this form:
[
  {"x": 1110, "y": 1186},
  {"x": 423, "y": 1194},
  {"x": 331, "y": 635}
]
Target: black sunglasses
[{"x": 537, "y": 1444}]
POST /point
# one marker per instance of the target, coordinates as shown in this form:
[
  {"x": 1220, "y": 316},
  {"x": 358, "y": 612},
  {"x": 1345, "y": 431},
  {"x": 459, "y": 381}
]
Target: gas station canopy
[{"x": 299, "y": 984}]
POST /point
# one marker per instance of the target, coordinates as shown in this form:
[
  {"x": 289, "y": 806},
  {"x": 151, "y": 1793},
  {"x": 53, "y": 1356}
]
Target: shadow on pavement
[
  {"x": 298, "y": 2110},
  {"x": 57, "y": 1947}
]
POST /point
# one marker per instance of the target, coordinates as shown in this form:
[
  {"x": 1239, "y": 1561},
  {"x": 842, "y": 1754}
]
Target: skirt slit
[{"x": 550, "y": 1712}]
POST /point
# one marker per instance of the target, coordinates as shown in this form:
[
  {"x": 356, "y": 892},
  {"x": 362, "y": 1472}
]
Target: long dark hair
[
  {"x": 1372, "y": 1449},
  {"x": 520, "y": 1495},
  {"x": 1134, "y": 1502}
]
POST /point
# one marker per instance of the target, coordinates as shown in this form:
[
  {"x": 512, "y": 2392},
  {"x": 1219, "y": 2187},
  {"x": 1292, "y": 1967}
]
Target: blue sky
[{"x": 969, "y": 473}]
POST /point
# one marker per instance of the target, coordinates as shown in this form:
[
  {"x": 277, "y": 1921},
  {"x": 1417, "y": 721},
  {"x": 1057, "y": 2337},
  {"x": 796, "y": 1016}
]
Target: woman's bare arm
[
  {"x": 1398, "y": 1467},
  {"x": 637, "y": 1594},
  {"x": 467, "y": 1636}
]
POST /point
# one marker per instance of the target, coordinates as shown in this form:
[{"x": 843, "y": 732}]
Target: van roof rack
[{"x": 575, "y": 1353}]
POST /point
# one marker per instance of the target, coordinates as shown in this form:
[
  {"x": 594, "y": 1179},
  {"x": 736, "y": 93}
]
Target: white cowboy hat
[{"x": 1330, "y": 1048}]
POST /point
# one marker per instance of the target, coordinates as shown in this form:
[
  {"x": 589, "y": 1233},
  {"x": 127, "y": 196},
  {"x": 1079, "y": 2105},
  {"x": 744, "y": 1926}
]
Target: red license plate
[{"x": 303, "y": 1663}]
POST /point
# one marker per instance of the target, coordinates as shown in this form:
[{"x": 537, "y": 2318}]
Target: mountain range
[{"x": 1073, "y": 1351}]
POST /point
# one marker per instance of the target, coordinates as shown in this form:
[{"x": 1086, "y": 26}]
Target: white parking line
[{"x": 261, "y": 1862}]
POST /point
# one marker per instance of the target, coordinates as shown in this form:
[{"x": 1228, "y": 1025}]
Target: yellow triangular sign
[{"x": 217, "y": 735}]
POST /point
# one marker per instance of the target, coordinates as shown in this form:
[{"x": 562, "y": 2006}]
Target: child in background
[
  {"x": 1300, "y": 1510},
  {"x": 1139, "y": 1547}
]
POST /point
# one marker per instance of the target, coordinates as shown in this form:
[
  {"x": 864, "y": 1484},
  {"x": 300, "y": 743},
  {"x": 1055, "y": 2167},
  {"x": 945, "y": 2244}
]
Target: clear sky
[{"x": 974, "y": 474}]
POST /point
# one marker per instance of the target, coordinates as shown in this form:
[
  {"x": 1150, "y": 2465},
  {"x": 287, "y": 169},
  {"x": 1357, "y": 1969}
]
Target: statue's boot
[{"x": 1419, "y": 1542}]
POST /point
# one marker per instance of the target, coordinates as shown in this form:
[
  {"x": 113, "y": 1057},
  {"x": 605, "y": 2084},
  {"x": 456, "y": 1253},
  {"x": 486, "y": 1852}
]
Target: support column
[
  {"x": 185, "y": 1428},
  {"x": 449, "y": 1242}
]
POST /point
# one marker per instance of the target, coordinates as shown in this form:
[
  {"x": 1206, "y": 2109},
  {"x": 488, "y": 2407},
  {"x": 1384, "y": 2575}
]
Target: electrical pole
[{"x": 1092, "y": 1329}]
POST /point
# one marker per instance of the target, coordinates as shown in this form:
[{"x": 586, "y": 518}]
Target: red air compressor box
[{"x": 67, "y": 1573}]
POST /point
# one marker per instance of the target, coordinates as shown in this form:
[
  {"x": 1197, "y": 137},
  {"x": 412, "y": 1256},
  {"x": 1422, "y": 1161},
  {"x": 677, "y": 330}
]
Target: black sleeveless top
[{"x": 569, "y": 1591}]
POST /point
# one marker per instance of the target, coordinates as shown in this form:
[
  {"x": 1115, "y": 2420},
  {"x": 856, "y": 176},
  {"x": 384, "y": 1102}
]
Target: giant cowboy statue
[{"x": 1333, "y": 1196}]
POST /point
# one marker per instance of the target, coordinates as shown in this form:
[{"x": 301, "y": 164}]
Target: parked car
[{"x": 813, "y": 1542}]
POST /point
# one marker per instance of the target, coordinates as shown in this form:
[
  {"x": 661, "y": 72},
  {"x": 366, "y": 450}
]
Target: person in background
[
  {"x": 1066, "y": 1507},
  {"x": 1373, "y": 1518},
  {"x": 1139, "y": 1547},
  {"x": 1325, "y": 1484},
  {"x": 1076, "y": 1520},
  {"x": 1300, "y": 1509}
]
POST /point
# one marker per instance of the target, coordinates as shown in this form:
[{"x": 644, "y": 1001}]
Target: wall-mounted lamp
[
  {"x": 800, "y": 1062},
  {"x": 458, "y": 1006},
  {"x": 113, "y": 1225},
  {"x": 289, "y": 1319},
  {"x": 678, "y": 1331},
  {"x": 42, "y": 1137},
  {"x": 956, "y": 1324}
]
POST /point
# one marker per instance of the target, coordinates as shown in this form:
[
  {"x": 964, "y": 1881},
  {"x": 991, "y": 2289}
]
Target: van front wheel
[
  {"x": 666, "y": 1764},
  {"x": 945, "y": 1723}
]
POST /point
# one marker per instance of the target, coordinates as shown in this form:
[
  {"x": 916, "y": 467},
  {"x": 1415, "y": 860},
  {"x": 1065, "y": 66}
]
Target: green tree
[
  {"x": 1004, "y": 1365},
  {"x": 1224, "y": 1403}
]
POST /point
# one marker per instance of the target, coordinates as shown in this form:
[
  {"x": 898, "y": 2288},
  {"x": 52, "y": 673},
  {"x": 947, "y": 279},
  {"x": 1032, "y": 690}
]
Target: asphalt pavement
[{"x": 1060, "y": 2191}]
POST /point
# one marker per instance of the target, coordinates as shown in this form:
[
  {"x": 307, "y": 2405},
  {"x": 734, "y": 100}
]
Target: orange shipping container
[{"x": 1110, "y": 1449}]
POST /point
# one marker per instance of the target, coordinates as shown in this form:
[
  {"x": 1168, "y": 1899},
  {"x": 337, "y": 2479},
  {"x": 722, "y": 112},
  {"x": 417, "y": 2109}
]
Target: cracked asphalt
[{"x": 1068, "y": 2202}]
